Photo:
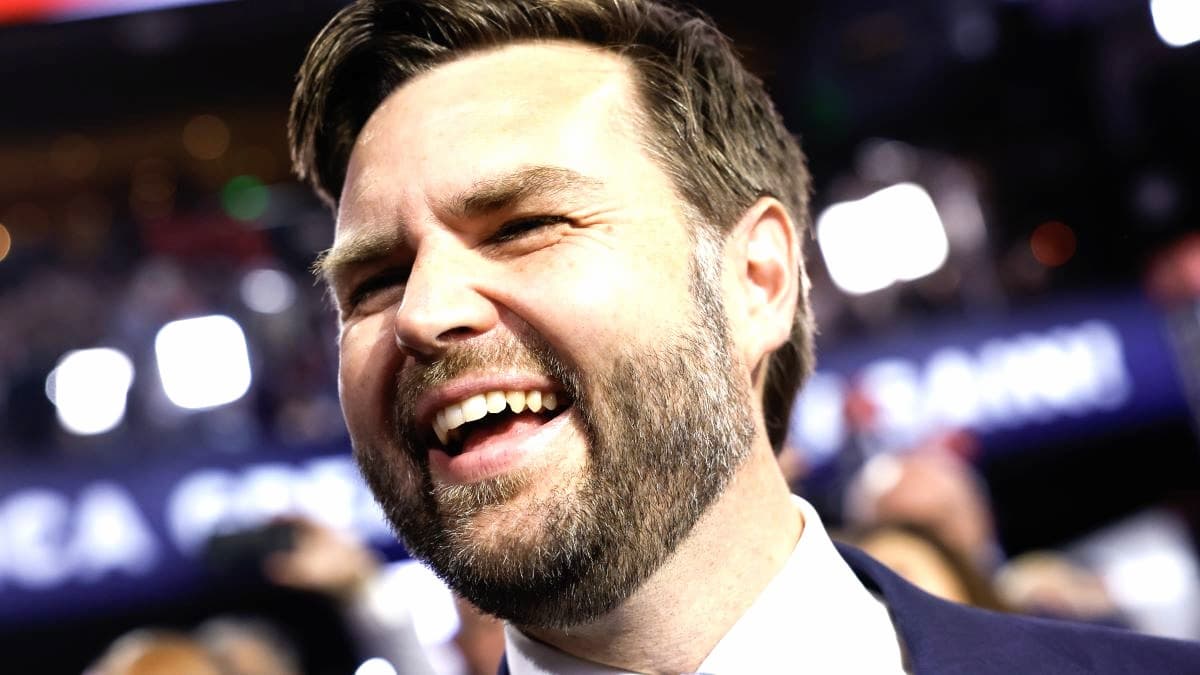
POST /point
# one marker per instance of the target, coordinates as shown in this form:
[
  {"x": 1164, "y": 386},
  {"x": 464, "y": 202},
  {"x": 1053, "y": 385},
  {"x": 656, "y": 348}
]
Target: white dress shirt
[{"x": 813, "y": 617}]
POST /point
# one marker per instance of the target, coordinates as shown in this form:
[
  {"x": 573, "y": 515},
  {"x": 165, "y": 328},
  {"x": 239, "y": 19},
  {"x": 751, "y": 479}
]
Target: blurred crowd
[
  {"x": 386, "y": 610},
  {"x": 928, "y": 517},
  {"x": 123, "y": 284},
  {"x": 926, "y": 514}
]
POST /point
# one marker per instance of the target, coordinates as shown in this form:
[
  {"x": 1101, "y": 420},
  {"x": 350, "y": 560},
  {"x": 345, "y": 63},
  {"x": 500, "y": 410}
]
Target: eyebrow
[
  {"x": 500, "y": 192},
  {"x": 483, "y": 197},
  {"x": 355, "y": 251}
]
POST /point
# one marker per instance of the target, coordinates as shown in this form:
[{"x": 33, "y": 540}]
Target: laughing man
[{"x": 573, "y": 317}]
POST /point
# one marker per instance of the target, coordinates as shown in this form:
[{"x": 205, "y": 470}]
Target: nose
[{"x": 443, "y": 302}]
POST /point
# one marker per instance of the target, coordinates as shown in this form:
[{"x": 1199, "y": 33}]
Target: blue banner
[
  {"x": 73, "y": 541},
  {"x": 1021, "y": 379}
]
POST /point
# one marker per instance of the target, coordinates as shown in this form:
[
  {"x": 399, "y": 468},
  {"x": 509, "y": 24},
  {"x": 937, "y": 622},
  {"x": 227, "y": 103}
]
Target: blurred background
[{"x": 1006, "y": 267}]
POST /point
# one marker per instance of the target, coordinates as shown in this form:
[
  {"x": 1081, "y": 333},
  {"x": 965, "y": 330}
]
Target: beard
[{"x": 666, "y": 428}]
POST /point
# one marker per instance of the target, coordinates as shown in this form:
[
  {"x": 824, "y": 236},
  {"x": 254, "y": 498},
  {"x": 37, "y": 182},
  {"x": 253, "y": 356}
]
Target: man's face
[{"x": 504, "y": 237}]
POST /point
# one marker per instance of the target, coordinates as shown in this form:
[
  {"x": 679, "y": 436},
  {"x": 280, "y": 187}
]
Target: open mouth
[{"x": 496, "y": 414}]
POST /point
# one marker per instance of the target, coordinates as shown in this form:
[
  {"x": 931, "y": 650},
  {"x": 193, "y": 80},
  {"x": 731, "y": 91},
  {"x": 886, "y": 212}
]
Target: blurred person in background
[
  {"x": 155, "y": 651},
  {"x": 592, "y": 208},
  {"x": 922, "y": 558},
  {"x": 935, "y": 496},
  {"x": 378, "y": 616},
  {"x": 1049, "y": 584},
  {"x": 933, "y": 489},
  {"x": 248, "y": 646}
]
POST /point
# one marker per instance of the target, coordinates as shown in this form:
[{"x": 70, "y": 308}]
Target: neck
[{"x": 736, "y": 548}]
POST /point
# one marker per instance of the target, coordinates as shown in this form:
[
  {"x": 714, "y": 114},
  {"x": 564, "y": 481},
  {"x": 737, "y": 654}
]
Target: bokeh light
[
  {"x": 886, "y": 161},
  {"x": 267, "y": 291},
  {"x": 203, "y": 362},
  {"x": 1177, "y": 22},
  {"x": 5, "y": 242},
  {"x": 16, "y": 11},
  {"x": 1052, "y": 243},
  {"x": 892, "y": 235},
  {"x": 89, "y": 388},
  {"x": 974, "y": 33},
  {"x": 375, "y": 666},
  {"x": 206, "y": 137},
  {"x": 1156, "y": 197},
  {"x": 245, "y": 197}
]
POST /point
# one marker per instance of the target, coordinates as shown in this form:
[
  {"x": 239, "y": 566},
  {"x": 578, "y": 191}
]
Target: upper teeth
[{"x": 478, "y": 406}]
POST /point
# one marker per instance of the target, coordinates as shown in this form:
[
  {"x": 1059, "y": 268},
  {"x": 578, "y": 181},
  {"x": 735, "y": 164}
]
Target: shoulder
[
  {"x": 944, "y": 637},
  {"x": 966, "y": 639}
]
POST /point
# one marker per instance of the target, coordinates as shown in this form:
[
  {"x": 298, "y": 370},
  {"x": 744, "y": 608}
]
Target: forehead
[
  {"x": 552, "y": 76},
  {"x": 529, "y": 104}
]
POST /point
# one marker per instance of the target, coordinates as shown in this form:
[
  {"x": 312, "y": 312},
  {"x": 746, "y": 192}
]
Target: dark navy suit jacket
[{"x": 945, "y": 638}]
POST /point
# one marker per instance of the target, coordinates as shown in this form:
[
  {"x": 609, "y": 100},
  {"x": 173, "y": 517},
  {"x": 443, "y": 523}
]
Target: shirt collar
[{"x": 815, "y": 616}]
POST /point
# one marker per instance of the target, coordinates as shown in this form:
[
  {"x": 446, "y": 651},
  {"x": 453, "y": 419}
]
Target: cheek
[
  {"x": 598, "y": 299},
  {"x": 594, "y": 303},
  {"x": 366, "y": 371}
]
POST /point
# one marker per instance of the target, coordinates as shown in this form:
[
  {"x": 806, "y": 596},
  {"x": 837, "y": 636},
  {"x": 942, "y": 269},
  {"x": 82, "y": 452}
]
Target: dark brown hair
[{"x": 708, "y": 122}]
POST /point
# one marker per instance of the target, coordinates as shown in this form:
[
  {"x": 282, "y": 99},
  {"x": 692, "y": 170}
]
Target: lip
[
  {"x": 465, "y": 387},
  {"x": 500, "y": 458}
]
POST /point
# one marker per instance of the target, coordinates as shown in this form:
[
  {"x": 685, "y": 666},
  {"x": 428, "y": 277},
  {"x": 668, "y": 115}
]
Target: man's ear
[{"x": 767, "y": 260}]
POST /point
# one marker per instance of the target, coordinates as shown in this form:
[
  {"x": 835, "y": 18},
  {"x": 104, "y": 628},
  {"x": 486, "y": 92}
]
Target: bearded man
[{"x": 573, "y": 317}]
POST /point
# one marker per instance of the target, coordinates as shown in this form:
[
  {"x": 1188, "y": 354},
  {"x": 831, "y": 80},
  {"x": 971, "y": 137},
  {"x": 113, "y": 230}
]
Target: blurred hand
[{"x": 323, "y": 560}]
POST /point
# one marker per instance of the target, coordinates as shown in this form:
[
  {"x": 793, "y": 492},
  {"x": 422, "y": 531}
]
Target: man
[{"x": 573, "y": 317}]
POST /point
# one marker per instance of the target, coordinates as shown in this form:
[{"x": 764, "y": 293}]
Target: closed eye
[
  {"x": 515, "y": 229},
  {"x": 389, "y": 278}
]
